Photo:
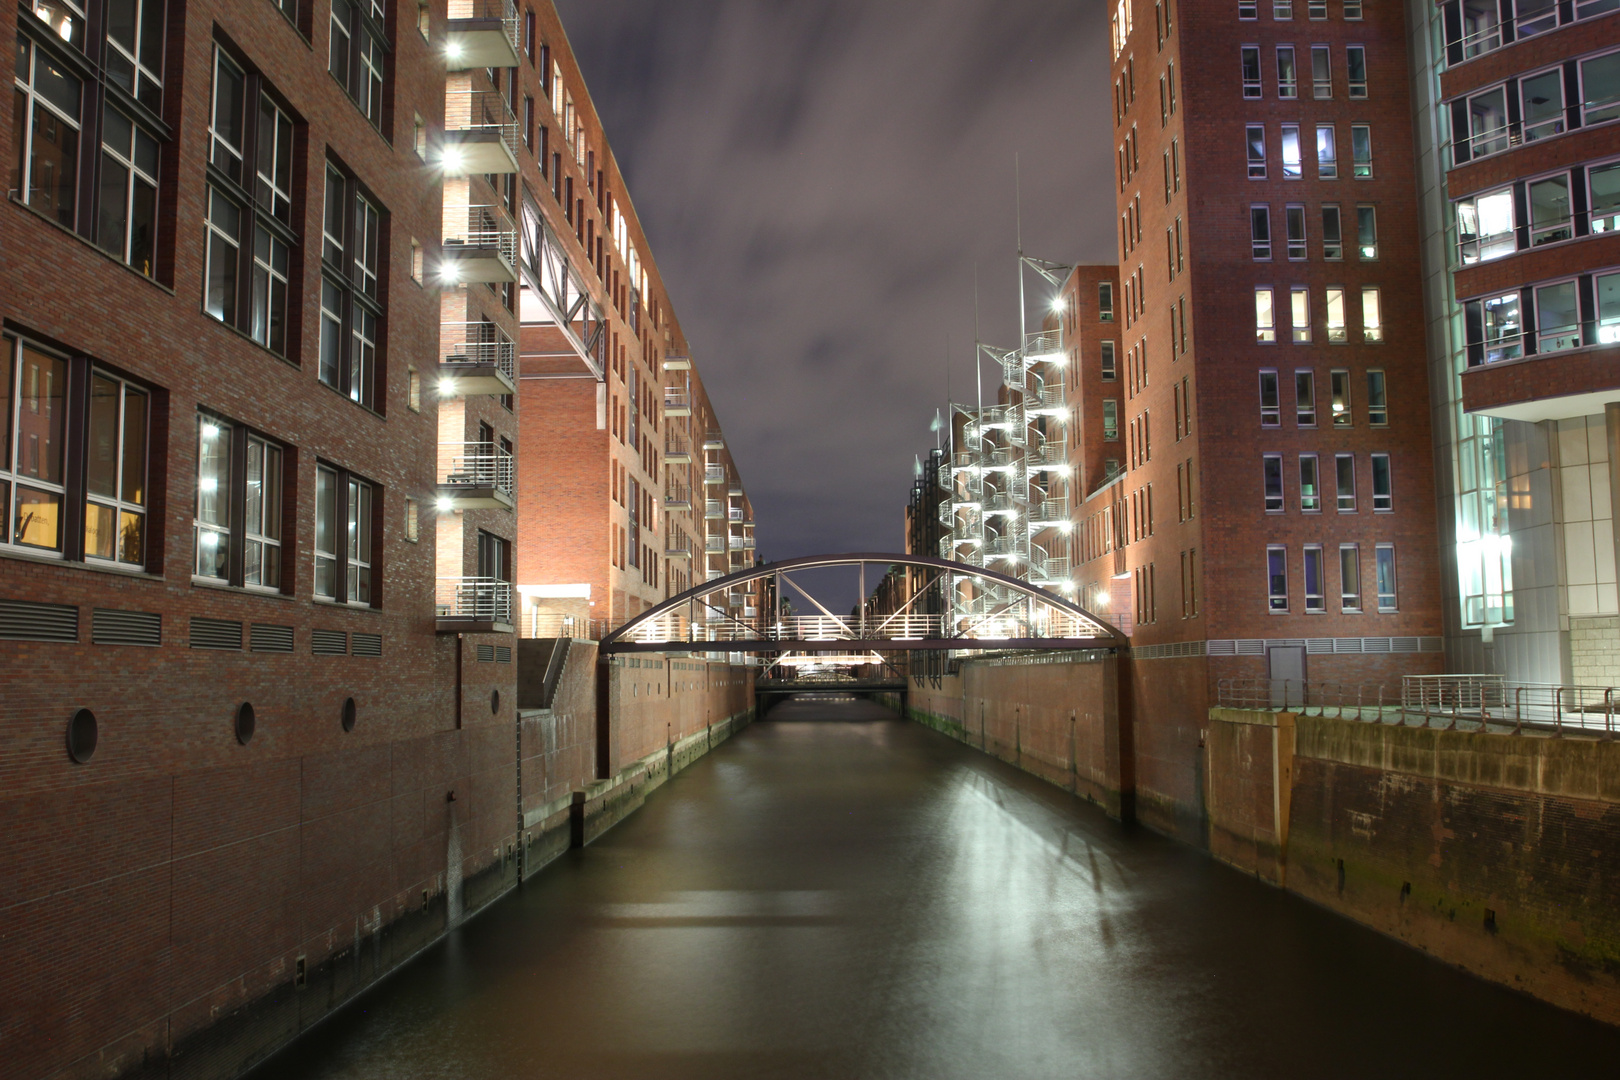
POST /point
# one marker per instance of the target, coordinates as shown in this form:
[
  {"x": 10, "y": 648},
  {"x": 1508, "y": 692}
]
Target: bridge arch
[{"x": 982, "y": 609}]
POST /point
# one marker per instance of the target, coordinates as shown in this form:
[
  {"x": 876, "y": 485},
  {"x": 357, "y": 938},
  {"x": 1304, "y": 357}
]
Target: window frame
[
  {"x": 1310, "y": 483},
  {"x": 1384, "y": 556},
  {"x": 366, "y": 51},
  {"x": 239, "y": 440},
  {"x": 1383, "y": 483},
  {"x": 1327, "y": 152},
  {"x": 1270, "y": 414},
  {"x": 116, "y": 502},
  {"x": 1277, "y": 579},
  {"x": 1344, "y": 483},
  {"x": 1260, "y": 223},
  {"x": 342, "y": 554},
  {"x": 1350, "y": 585},
  {"x": 1273, "y": 495},
  {"x": 262, "y": 210},
  {"x": 1314, "y": 566},
  {"x": 354, "y": 269}
]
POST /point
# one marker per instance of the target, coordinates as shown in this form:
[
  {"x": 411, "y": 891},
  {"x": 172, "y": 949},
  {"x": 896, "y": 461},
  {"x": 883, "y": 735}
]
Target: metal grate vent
[
  {"x": 329, "y": 642},
  {"x": 21, "y": 620},
  {"x": 268, "y": 637},
  {"x": 486, "y": 654},
  {"x": 503, "y": 654},
  {"x": 215, "y": 633},
  {"x": 110, "y": 626},
  {"x": 367, "y": 644}
]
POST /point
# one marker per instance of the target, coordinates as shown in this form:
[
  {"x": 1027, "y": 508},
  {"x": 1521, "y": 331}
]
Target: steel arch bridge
[{"x": 981, "y": 609}]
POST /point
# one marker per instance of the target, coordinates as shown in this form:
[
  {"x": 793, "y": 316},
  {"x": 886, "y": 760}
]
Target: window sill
[
  {"x": 71, "y": 564},
  {"x": 321, "y": 601},
  {"x": 246, "y": 590},
  {"x": 53, "y": 223}
]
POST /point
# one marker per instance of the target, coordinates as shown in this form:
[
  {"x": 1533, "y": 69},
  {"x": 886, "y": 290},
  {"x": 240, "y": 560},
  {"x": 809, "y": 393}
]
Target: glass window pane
[
  {"x": 101, "y": 465},
  {"x": 39, "y": 518},
  {"x": 134, "y": 464},
  {"x": 1543, "y": 97},
  {"x": 1600, "y": 88},
  {"x": 1557, "y": 317},
  {"x": 1608, "y": 302},
  {"x": 1604, "y": 184},
  {"x": 1550, "y": 217},
  {"x": 41, "y": 416}
]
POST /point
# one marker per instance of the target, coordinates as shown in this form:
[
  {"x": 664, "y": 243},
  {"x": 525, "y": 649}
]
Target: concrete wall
[
  {"x": 1493, "y": 852},
  {"x": 1058, "y": 720}
]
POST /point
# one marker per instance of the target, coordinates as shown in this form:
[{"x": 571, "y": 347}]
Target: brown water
[{"x": 834, "y": 893}]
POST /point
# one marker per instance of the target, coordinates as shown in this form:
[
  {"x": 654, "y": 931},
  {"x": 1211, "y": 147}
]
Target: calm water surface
[{"x": 834, "y": 893}]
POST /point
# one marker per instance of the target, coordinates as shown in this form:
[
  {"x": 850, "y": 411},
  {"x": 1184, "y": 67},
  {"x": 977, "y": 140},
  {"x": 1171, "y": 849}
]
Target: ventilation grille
[
  {"x": 503, "y": 654},
  {"x": 1320, "y": 646},
  {"x": 21, "y": 620},
  {"x": 486, "y": 654},
  {"x": 267, "y": 637},
  {"x": 367, "y": 644},
  {"x": 109, "y": 626},
  {"x": 329, "y": 642},
  {"x": 215, "y": 633}
]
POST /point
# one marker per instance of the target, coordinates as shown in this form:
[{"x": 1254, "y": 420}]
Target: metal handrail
[
  {"x": 476, "y": 598},
  {"x": 476, "y": 464},
  {"x": 485, "y": 225},
  {"x": 481, "y": 111},
  {"x": 459, "y": 343},
  {"x": 1452, "y": 702}
]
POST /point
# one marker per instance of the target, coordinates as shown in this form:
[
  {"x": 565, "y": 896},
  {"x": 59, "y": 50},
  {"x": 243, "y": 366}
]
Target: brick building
[
  {"x": 627, "y": 494},
  {"x": 236, "y": 697},
  {"x": 1517, "y": 148}
]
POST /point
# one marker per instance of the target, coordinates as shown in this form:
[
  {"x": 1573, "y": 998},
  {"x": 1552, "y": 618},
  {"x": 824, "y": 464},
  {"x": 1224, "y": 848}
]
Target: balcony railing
[
  {"x": 714, "y": 474},
  {"x": 1051, "y": 511},
  {"x": 474, "y": 599},
  {"x": 677, "y": 401},
  {"x": 1045, "y": 347},
  {"x": 476, "y": 465},
  {"x": 470, "y": 345},
  {"x": 714, "y": 509},
  {"x": 480, "y": 244},
  {"x": 482, "y": 33},
  {"x": 714, "y": 440},
  {"x": 714, "y": 544},
  {"x": 677, "y": 448},
  {"x": 480, "y": 133}
]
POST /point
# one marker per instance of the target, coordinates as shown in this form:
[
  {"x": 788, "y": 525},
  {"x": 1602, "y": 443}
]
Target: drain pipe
[{"x": 459, "y": 649}]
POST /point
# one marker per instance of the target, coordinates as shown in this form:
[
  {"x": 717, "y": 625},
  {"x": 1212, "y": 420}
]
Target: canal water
[{"x": 834, "y": 893}]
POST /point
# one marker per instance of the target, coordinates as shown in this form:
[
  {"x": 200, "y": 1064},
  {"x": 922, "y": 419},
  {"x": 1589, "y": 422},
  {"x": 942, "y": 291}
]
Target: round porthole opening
[
  {"x": 348, "y": 714},
  {"x": 82, "y": 735},
  {"x": 244, "y": 722},
  {"x": 494, "y": 701}
]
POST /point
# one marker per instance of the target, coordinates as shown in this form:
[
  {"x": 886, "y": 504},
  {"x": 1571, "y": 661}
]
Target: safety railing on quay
[{"x": 1451, "y": 702}]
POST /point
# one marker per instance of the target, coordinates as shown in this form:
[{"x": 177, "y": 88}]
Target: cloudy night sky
[{"x": 819, "y": 183}]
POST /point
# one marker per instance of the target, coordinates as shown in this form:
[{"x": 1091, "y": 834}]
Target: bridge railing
[{"x": 1452, "y": 702}]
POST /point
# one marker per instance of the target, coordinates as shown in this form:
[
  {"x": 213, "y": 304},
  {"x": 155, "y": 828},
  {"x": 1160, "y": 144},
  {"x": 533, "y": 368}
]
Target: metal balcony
[
  {"x": 473, "y": 605},
  {"x": 677, "y": 401},
  {"x": 481, "y": 34},
  {"x": 1045, "y": 347},
  {"x": 677, "y": 500},
  {"x": 735, "y": 513},
  {"x": 1051, "y": 512},
  {"x": 677, "y": 451},
  {"x": 714, "y": 510},
  {"x": 480, "y": 245},
  {"x": 480, "y": 134},
  {"x": 476, "y": 358},
  {"x": 714, "y": 441},
  {"x": 715, "y": 545},
  {"x": 714, "y": 474},
  {"x": 680, "y": 551},
  {"x": 475, "y": 476},
  {"x": 677, "y": 363}
]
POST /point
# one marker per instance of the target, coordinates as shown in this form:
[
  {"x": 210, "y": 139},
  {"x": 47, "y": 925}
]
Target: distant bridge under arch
[{"x": 975, "y": 608}]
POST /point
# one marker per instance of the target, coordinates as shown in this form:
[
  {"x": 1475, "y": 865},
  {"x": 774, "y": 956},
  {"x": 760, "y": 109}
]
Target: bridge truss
[{"x": 978, "y": 609}]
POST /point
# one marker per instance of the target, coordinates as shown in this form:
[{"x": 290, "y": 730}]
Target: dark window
[
  {"x": 357, "y": 55},
  {"x": 249, "y": 269},
  {"x": 64, "y": 109},
  {"x": 352, "y": 290},
  {"x": 347, "y": 517}
]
